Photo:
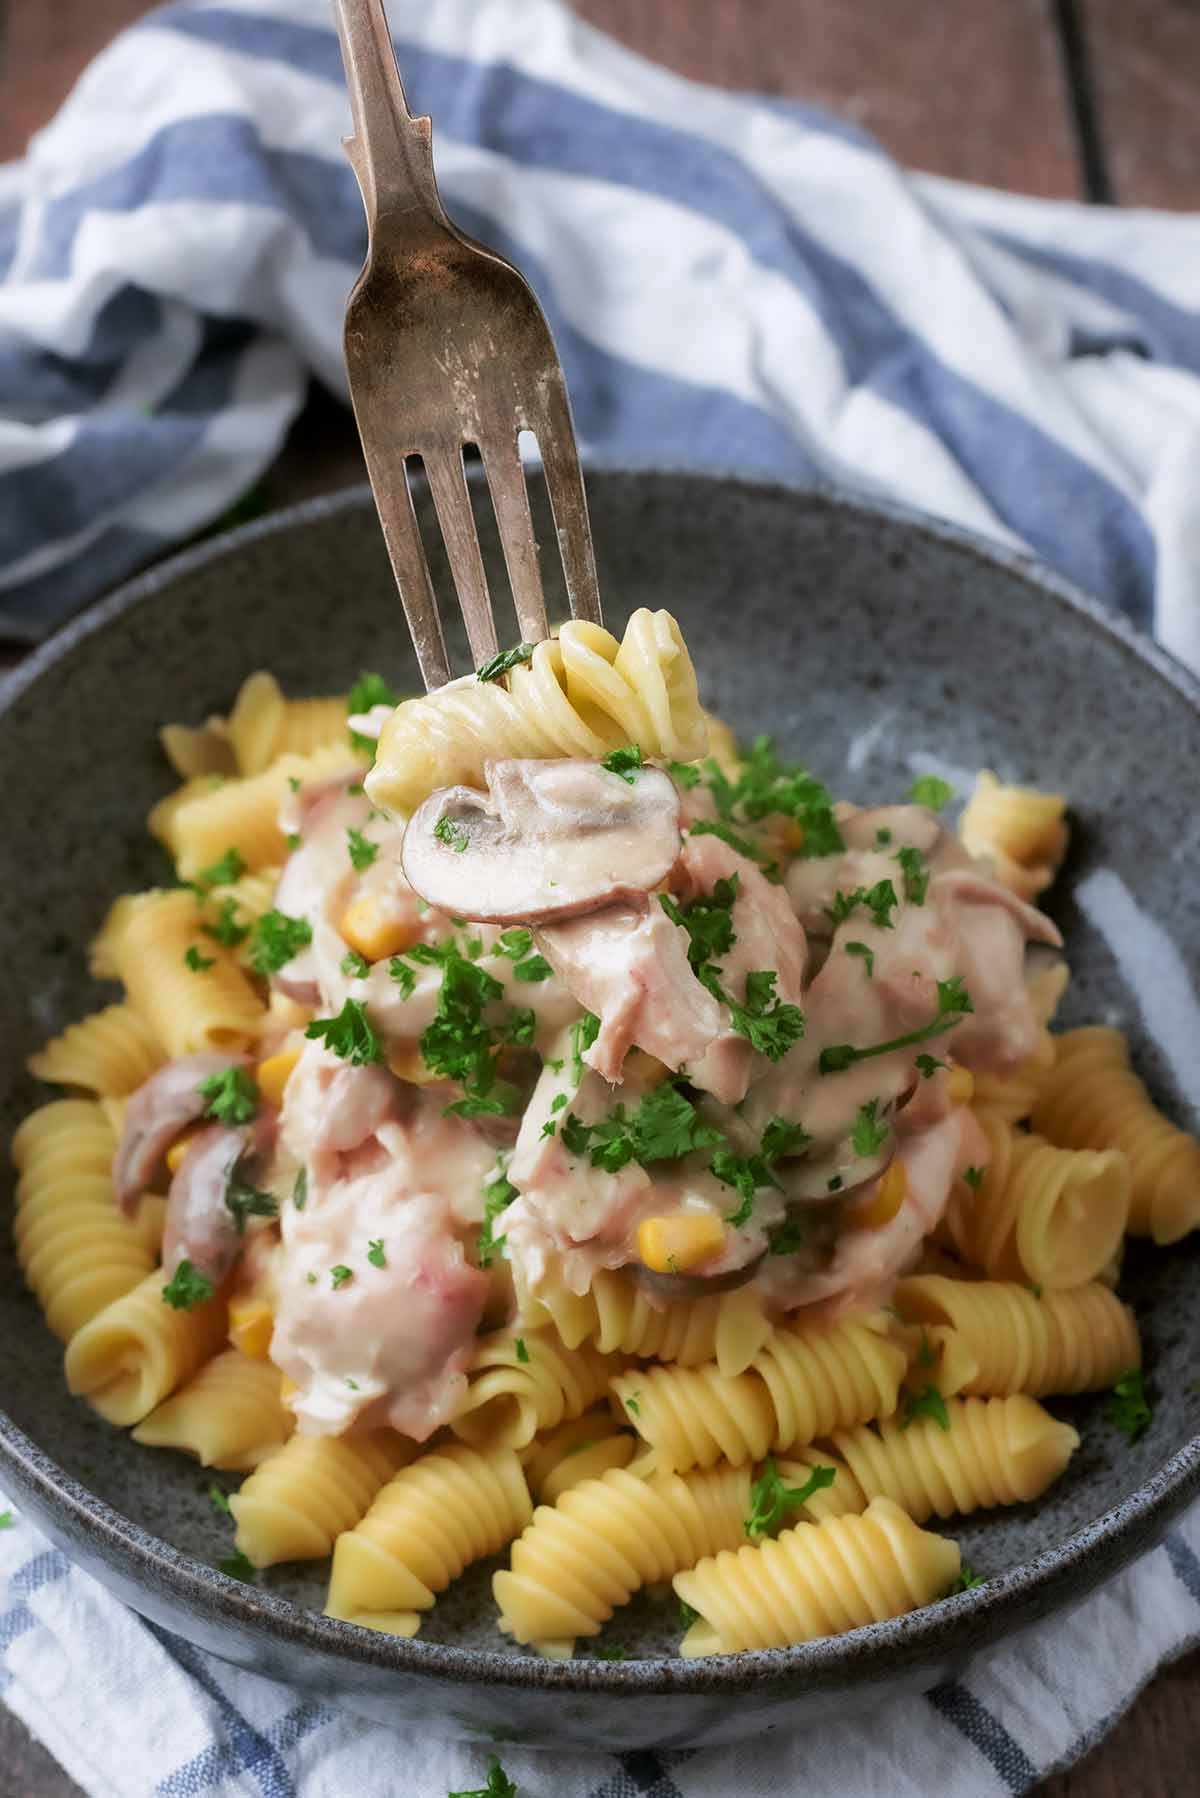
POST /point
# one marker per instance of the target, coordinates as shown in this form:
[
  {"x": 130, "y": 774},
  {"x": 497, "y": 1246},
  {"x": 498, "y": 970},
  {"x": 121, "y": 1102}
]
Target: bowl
[{"x": 873, "y": 645}]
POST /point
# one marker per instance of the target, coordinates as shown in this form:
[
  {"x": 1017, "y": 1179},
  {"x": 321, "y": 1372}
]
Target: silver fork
[{"x": 446, "y": 347}]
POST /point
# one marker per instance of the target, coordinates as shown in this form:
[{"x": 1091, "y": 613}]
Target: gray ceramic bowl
[{"x": 872, "y": 645}]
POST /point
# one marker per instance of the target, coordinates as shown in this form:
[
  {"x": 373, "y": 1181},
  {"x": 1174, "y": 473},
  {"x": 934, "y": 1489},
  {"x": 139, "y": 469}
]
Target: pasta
[
  {"x": 453, "y": 1506},
  {"x": 585, "y": 1556},
  {"x": 561, "y": 1145},
  {"x": 129, "y": 1356},
  {"x": 581, "y": 1449},
  {"x": 1094, "y": 1100},
  {"x": 992, "y": 1337},
  {"x": 1055, "y": 1217},
  {"x": 523, "y": 1384},
  {"x": 110, "y": 1053},
  {"x": 1023, "y": 831},
  {"x": 77, "y": 1253},
  {"x": 619, "y": 1318},
  {"x": 995, "y": 1451},
  {"x": 214, "y": 1008},
  {"x": 816, "y": 1580},
  {"x": 581, "y": 694},
  {"x": 803, "y": 1384},
  {"x": 230, "y": 1414},
  {"x": 299, "y": 1500}
]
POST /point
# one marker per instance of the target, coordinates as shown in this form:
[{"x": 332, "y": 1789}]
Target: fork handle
[{"x": 390, "y": 152}]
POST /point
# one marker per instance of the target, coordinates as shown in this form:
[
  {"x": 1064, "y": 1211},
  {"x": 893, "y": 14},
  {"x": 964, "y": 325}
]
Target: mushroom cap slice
[
  {"x": 548, "y": 840},
  {"x": 695, "y": 1286}
]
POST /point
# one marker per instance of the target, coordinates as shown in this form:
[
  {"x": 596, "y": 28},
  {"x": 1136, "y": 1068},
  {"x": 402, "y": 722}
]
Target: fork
[{"x": 447, "y": 347}]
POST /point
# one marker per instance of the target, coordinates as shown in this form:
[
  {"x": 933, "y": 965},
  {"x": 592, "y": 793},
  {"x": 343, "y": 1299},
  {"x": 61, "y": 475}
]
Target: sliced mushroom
[
  {"x": 818, "y": 1180},
  {"x": 200, "y": 1226},
  {"x": 547, "y": 840},
  {"x": 160, "y": 1108},
  {"x": 695, "y": 1286}
]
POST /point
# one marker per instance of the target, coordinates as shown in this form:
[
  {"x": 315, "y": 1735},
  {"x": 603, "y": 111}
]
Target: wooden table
[{"x": 1077, "y": 99}]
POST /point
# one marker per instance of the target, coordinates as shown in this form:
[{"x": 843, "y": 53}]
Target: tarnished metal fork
[{"x": 447, "y": 347}]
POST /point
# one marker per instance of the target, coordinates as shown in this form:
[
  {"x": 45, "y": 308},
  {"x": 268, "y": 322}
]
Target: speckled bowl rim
[{"x": 970, "y": 1621}]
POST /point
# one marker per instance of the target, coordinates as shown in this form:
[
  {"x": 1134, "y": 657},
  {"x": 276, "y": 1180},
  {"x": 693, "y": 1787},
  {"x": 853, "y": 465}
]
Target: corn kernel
[
  {"x": 890, "y": 1194},
  {"x": 375, "y": 932},
  {"x": 960, "y": 1087},
  {"x": 407, "y": 1063},
  {"x": 180, "y": 1147},
  {"x": 641, "y": 1066},
  {"x": 273, "y": 1074},
  {"x": 251, "y": 1325},
  {"x": 669, "y": 1245}
]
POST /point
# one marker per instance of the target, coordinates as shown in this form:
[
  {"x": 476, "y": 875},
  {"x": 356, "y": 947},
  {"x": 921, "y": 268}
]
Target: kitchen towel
[{"x": 734, "y": 284}]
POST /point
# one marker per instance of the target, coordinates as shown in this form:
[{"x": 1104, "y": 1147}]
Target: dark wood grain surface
[{"x": 978, "y": 89}]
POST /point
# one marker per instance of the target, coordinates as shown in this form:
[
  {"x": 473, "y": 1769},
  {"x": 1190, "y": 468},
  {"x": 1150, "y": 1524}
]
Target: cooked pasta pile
[{"x": 545, "y": 1130}]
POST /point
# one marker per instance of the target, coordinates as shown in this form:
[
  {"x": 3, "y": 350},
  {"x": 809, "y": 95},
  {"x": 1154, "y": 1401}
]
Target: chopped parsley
[
  {"x": 927, "y": 1403},
  {"x": 227, "y": 931},
  {"x": 870, "y": 1131},
  {"x": 709, "y": 925},
  {"x": 771, "y": 1500},
  {"x": 684, "y": 774},
  {"x": 766, "y": 786},
  {"x": 219, "y": 1500},
  {"x": 710, "y": 827},
  {"x": 769, "y": 1024},
  {"x": 665, "y": 1125},
  {"x": 498, "y": 1195},
  {"x": 780, "y": 1138},
  {"x": 632, "y": 1405},
  {"x": 747, "y": 1174},
  {"x": 186, "y": 1288},
  {"x": 882, "y": 838},
  {"x": 521, "y": 1350},
  {"x": 362, "y": 853},
  {"x": 499, "y": 1785},
  {"x": 453, "y": 835},
  {"x": 584, "y": 1032},
  {"x": 339, "y": 1275},
  {"x": 243, "y": 1200},
  {"x": 197, "y": 962},
  {"x": 624, "y": 762},
  {"x": 930, "y": 790},
  {"x": 292, "y": 839},
  {"x": 880, "y": 900},
  {"x": 222, "y": 873},
  {"x": 368, "y": 690},
  {"x": 232, "y": 1096},
  {"x": 519, "y": 1026},
  {"x": 868, "y": 956},
  {"x": 237, "y": 1565},
  {"x": 300, "y": 1189},
  {"x": 507, "y": 658},
  {"x": 514, "y": 943},
  {"x": 275, "y": 939},
  {"x": 375, "y": 1252},
  {"x": 611, "y": 1651},
  {"x": 1035, "y": 1288},
  {"x": 404, "y": 976},
  {"x": 349, "y": 1034},
  {"x": 953, "y": 1002},
  {"x": 1129, "y": 1410},
  {"x": 967, "y": 1581},
  {"x": 789, "y": 1237},
  {"x": 458, "y": 1042},
  {"x": 534, "y": 967},
  {"x": 7, "y": 1520},
  {"x": 688, "y": 1614},
  {"x": 974, "y": 1177},
  {"x": 929, "y": 1065},
  {"x": 355, "y": 965},
  {"x": 916, "y": 875}
]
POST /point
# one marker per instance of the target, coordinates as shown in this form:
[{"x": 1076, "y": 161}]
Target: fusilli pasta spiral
[
  {"x": 618, "y": 1317},
  {"x": 230, "y": 1414},
  {"x": 581, "y": 1449},
  {"x": 110, "y": 1053},
  {"x": 264, "y": 724},
  {"x": 1094, "y": 1100},
  {"x": 199, "y": 827},
  {"x": 604, "y": 1539},
  {"x": 453, "y": 1506},
  {"x": 1023, "y": 830},
  {"x": 522, "y": 1384},
  {"x": 816, "y": 1580},
  {"x": 993, "y": 1338},
  {"x": 581, "y": 694},
  {"x": 214, "y": 1008},
  {"x": 127, "y": 1358},
  {"x": 296, "y": 1504}
]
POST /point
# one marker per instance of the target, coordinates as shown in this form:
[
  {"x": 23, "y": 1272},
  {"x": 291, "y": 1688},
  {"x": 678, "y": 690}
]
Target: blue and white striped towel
[{"x": 733, "y": 283}]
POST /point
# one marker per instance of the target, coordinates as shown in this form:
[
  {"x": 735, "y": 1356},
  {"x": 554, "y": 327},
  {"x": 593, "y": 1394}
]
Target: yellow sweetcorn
[
  {"x": 273, "y": 1073},
  {"x": 641, "y": 1066},
  {"x": 960, "y": 1086},
  {"x": 368, "y": 928},
  {"x": 669, "y": 1245},
  {"x": 180, "y": 1147},
  {"x": 890, "y": 1194},
  {"x": 251, "y": 1325}
]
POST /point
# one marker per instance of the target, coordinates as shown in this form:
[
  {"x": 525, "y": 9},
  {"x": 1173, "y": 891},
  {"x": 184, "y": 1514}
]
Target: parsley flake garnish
[
  {"x": 953, "y": 1002},
  {"x": 227, "y": 931},
  {"x": 747, "y": 1174},
  {"x": 769, "y": 1024},
  {"x": 664, "y": 1126},
  {"x": 688, "y": 1614},
  {"x": 624, "y": 762},
  {"x": 498, "y": 1195},
  {"x": 930, "y": 790},
  {"x": 243, "y": 1200},
  {"x": 967, "y": 1581},
  {"x": 927, "y": 1403},
  {"x": 355, "y": 965},
  {"x": 534, "y": 967},
  {"x": 974, "y": 1177},
  {"x": 632, "y": 1405},
  {"x": 684, "y": 774},
  {"x": 451, "y": 834},
  {"x": 880, "y": 900},
  {"x": 404, "y": 976},
  {"x": 219, "y": 1500},
  {"x": 275, "y": 939},
  {"x": 521, "y": 1351},
  {"x": 349, "y": 1034},
  {"x": 771, "y": 1500},
  {"x": 1128, "y": 1408},
  {"x": 458, "y": 1042},
  {"x": 499, "y": 1785},
  {"x": 238, "y": 1566},
  {"x": 222, "y": 873},
  {"x": 368, "y": 690},
  {"x": 870, "y": 1131},
  {"x": 584, "y": 1032},
  {"x": 929, "y": 1065},
  {"x": 708, "y": 921},
  {"x": 197, "y": 962},
  {"x": 780, "y": 1138},
  {"x": 868, "y": 956},
  {"x": 710, "y": 827},
  {"x": 916, "y": 875},
  {"x": 375, "y": 1252},
  {"x": 362, "y": 852},
  {"x": 339, "y": 1275},
  {"x": 517, "y": 944},
  {"x": 882, "y": 838},
  {"x": 766, "y": 786},
  {"x": 186, "y": 1288},
  {"x": 300, "y": 1189},
  {"x": 507, "y": 658},
  {"x": 232, "y": 1096}
]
